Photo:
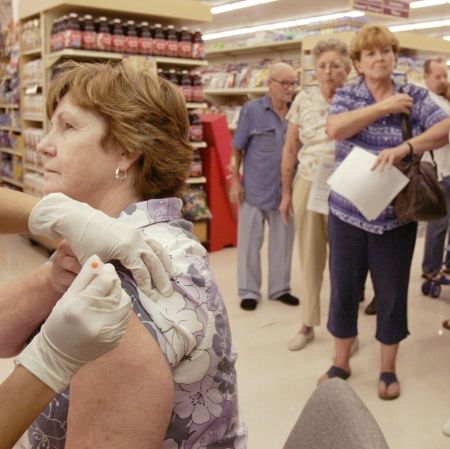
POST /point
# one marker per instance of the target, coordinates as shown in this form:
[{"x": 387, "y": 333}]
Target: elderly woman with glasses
[{"x": 307, "y": 143}]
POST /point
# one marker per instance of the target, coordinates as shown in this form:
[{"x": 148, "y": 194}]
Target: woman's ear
[{"x": 127, "y": 160}]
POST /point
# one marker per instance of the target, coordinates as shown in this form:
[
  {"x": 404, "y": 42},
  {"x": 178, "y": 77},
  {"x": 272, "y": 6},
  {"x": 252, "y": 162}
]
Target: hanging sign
[{"x": 391, "y": 8}]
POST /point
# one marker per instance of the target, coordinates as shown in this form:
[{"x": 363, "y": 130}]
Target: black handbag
[{"x": 422, "y": 199}]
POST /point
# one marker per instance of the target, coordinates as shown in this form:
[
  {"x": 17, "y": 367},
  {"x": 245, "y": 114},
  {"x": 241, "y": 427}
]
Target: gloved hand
[
  {"x": 88, "y": 321},
  {"x": 90, "y": 231}
]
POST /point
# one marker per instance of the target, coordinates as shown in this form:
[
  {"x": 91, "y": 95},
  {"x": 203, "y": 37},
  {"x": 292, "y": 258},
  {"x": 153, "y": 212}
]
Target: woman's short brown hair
[
  {"x": 144, "y": 114},
  {"x": 370, "y": 37}
]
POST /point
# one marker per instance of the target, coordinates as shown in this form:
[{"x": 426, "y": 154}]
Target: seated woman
[{"x": 118, "y": 142}]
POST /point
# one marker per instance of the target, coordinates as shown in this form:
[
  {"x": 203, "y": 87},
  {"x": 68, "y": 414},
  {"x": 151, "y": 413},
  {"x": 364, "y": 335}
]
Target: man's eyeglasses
[{"x": 286, "y": 84}]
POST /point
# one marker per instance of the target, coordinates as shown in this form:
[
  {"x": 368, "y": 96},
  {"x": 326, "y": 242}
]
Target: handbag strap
[{"x": 405, "y": 124}]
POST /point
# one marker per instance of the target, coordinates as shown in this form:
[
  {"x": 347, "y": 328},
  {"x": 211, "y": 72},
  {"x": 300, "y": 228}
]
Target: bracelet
[{"x": 411, "y": 149}]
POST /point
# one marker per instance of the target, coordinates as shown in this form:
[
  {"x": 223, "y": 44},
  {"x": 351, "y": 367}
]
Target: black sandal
[
  {"x": 388, "y": 378},
  {"x": 335, "y": 371}
]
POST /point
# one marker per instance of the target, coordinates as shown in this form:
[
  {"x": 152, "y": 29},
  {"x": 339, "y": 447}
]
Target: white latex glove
[
  {"x": 90, "y": 231},
  {"x": 88, "y": 321}
]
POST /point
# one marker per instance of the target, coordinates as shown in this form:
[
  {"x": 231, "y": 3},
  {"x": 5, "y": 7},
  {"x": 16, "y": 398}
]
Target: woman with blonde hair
[{"x": 368, "y": 114}]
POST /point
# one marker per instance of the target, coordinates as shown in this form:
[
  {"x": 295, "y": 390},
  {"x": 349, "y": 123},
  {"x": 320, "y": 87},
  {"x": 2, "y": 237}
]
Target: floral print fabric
[
  {"x": 192, "y": 330},
  {"x": 309, "y": 112}
]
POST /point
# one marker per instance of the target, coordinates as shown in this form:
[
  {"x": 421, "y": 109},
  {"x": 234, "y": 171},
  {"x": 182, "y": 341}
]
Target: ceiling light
[
  {"x": 420, "y": 25},
  {"x": 427, "y": 3},
  {"x": 280, "y": 25},
  {"x": 238, "y": 5}
]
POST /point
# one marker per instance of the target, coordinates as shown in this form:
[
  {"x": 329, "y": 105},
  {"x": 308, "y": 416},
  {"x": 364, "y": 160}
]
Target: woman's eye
[{"x": 67, "y": 125}]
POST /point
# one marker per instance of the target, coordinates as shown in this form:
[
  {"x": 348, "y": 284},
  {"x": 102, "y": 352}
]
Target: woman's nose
[{"x": 46, "y": 147}]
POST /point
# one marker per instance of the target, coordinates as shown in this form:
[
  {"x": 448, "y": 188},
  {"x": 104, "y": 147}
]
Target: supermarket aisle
[{"x": 274, "y": 383}]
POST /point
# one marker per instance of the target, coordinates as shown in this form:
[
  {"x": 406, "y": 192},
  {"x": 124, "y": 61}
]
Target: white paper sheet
[
  {"x": 320, "y": 190},
  {"x": 369, "y": 190}
]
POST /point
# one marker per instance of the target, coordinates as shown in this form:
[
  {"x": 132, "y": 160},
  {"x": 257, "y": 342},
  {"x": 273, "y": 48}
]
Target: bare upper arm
[
  {"x": 124, "y": 399},
  {"x": 292, "y": 142}
]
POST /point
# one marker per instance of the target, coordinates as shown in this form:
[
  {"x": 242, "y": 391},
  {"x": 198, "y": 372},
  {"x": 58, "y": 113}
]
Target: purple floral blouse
[{"x": 192, "y": 330}]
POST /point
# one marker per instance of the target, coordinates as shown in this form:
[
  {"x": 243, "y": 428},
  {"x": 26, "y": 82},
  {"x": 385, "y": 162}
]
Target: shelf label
[
  {"x": 32, "y": 90},
  {"x": 391, "y": 8}
]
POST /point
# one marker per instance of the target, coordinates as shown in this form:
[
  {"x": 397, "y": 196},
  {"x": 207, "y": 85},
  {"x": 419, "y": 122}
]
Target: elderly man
[
  {"x": 258, "y": 143},
  {"x": 435, "y": 76}
]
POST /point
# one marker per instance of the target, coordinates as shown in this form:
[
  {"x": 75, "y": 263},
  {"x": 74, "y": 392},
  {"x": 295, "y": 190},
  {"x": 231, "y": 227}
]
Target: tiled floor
[{"x": 275, "y": 383}]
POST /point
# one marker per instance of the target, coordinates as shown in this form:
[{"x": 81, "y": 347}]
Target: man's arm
[
  {"x": 289, "y": 158},
  {"x": 123, "y": 400},
  {"x": 15, "y": 208},
  {"x": 22, "y": 397},
  {"x": 236, "y": 192},
  {"x": 24, "y": 304}
]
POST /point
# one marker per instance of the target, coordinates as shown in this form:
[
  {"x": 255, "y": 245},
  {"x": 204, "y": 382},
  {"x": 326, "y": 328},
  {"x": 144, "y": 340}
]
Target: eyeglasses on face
[
  {"x": 333, "y": 67},
  {"x": 286, "y": 84}
]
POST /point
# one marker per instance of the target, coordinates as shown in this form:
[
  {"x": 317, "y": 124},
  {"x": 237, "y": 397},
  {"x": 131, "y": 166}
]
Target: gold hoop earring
[{"x": 121, "y": 175}]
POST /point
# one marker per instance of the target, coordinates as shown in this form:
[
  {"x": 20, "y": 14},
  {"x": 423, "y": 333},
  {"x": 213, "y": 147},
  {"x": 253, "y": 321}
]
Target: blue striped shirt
[{"x": 382, "y": 133}]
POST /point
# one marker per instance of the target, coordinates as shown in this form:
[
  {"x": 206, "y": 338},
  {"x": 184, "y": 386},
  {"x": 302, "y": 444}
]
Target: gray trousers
[
  {"x": 250, "y": 239},
  {"x": 433, "y": 256}
]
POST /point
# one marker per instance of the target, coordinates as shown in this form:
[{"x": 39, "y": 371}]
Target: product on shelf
[
  {"x": 33, "y": 106},
  {"x": 159, "y": 40},
  {"x": 197, "y": 88},
  {"x": 186, "y": 85},
  {"x": 72, "y": 31},
  {"x": 31, "y": 138},
  {"x": 131, "y": 38},
  {"x": 198, "y": 46},
  {"x": 31, "y": 35},
  {"x": 103, "y": 35},
  {"x": 196, "y": 165},
  {"x": 32, "y": 72},
  {"x": 195, "y": 128},
  {"x": 145, "y": 39},
  {"x": 195, "y": 206},
  {"x": 295, "y": 33},
  {"x": 33, "y": 183},
  {"x": 243, "y": 75},
  {"x": 118, "y": 37},
  {"x": 185, "y": 43},
  {"x": 171, "y": 49},
  {"x": 89, "y": 35}
]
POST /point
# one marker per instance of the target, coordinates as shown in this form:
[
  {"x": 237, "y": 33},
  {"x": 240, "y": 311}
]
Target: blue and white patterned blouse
[
  {"x": 381, "y": 134},
  {"x": 191, "y": 327}
]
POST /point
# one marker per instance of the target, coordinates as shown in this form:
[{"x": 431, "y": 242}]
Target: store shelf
[
  {"x": 196, "y": 105},
  {"x": 185, "y": 10},
  {"x": 198, "y": 144},
  {"x": 161, "y": 60},
  {"x": 33, "y": 51},
  {"x": 10, "y": 128},
  {"x": 34, "y": 168},
  {"x": 10, "y": 151},
  {"x": 196, "y": 180},
  {"x": 9, "y": 106},
  {"x": 54, "y": 57},
  {"x": 34, "y": 118},
  {"x": 237, "y": 91},
  {"x": 12, "y": 181},
  {"x": 266, "y": 46}
]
